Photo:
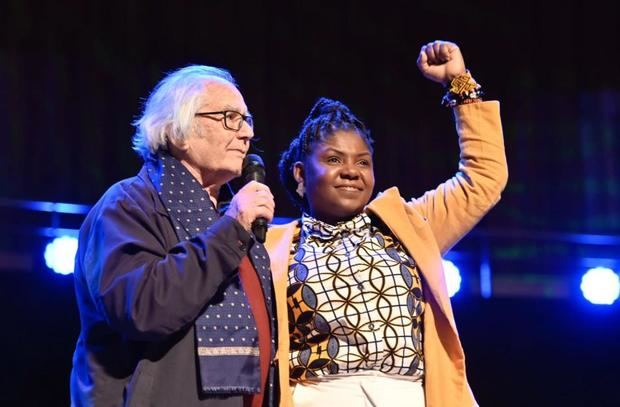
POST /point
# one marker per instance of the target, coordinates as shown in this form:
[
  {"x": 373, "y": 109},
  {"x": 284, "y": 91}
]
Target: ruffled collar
[{"x": 314, "y": 228}]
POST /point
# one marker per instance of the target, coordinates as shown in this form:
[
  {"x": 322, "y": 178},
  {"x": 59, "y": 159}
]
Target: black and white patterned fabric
[{"x": 354, "y": 301}]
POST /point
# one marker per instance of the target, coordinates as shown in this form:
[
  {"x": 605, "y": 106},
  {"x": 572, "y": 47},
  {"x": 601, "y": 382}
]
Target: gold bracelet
[
  {"x": 463, "y": 89},
  {"x": 463, "y": 84}
]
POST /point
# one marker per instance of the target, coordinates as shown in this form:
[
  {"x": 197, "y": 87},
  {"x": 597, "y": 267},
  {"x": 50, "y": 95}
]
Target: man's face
[
  {"x": 213, "y": 153},
  {"x": 338, "y": 176}
]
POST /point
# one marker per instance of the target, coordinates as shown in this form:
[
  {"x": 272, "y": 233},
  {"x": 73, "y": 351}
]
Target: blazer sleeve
[
  {"x": 455, "y": 206},
  {"x": 144, "y": 289}
]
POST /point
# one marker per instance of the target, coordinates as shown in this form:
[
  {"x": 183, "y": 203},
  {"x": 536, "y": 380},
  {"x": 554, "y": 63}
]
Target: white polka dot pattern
[{"x": 192, "y": 212}]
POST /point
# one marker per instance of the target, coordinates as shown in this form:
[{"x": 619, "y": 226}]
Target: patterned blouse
[{"x": 354, "y": 302}]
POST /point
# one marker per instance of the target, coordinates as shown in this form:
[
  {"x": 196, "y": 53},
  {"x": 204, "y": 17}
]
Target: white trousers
[{"x": 367, "y": 389}]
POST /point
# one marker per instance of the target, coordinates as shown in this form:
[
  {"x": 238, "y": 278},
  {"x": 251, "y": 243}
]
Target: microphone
[{"x": 253, "y": 169}]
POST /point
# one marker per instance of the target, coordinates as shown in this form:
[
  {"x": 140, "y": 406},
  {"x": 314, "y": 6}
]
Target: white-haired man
[{"x": 175, "y": 299}]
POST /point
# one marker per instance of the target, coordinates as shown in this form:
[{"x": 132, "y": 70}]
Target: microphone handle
[
  {"x": 259, "y": 228},
  {"x": 257, "y": 173}
]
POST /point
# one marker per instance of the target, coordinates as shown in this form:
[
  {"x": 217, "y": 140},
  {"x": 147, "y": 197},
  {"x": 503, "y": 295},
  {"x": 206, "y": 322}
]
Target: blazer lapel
[
  {"x": 278, "y": 244},
  {"x": 411, "y": 230}
]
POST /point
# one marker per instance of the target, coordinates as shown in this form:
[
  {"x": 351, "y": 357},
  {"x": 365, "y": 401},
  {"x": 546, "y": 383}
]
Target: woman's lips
[{"x": 350, "y": 188}]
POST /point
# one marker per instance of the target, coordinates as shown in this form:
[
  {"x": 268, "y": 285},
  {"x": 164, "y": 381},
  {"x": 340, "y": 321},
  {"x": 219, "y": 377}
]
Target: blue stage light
[
  {"x": 60, "y": 254},
  {"x": 453, "y": 277},
  {"x": 600, "y": 285}
]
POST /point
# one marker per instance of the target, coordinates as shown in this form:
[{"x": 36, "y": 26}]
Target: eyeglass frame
[{"x": 249, "y": 119}]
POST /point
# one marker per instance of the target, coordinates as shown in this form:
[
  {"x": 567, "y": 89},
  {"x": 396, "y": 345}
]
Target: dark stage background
[{"x": 73, "y": 75}]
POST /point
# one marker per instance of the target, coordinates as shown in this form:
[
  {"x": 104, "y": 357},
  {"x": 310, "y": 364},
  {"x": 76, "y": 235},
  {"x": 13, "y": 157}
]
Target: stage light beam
[
  {"x": 60, "y": 254},
  {"x": 600, "y": 285},
  {"x": 453, "y": 277}
]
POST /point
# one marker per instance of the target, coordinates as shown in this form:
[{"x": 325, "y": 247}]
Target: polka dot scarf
[{"x": 226, "y": 333}]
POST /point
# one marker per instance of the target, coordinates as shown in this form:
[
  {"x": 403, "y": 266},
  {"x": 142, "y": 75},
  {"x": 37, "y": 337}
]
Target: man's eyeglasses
[{"x": 232, "y": 120}]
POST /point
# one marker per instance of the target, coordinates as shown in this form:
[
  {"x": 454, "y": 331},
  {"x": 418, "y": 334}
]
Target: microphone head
[
  {"x": 253, "y": 168},
  {"x": 253, "y": 159}
]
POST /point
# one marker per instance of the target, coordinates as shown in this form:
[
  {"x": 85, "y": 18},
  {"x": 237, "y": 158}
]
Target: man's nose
[{"x": 246, "y": 132}]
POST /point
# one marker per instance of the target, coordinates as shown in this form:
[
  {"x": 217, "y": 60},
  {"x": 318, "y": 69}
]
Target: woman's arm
[{"x": 455, "y": 206}]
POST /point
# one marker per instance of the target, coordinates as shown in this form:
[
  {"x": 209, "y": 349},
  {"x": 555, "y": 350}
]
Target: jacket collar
[{"x": 157, "y": 204}]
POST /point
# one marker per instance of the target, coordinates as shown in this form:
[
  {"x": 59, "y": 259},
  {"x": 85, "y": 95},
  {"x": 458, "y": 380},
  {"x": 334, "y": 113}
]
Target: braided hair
[{"x": 326, "y": 117}]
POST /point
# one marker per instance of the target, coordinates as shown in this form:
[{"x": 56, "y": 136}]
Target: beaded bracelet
[{"x": 463, "y": 90}]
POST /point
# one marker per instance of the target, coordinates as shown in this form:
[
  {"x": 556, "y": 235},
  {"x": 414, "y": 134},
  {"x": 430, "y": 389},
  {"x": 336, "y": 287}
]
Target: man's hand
[
  {"x": 252, "y": 201},
  {"x": 441, "y": 61}
]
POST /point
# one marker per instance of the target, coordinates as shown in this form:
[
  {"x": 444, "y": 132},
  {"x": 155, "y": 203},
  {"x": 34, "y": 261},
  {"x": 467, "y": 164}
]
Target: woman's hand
[{"x": 441, "y": 61}]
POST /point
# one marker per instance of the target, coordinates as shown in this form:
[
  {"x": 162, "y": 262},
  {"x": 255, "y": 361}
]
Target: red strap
[{"x": 254, "y": 293}]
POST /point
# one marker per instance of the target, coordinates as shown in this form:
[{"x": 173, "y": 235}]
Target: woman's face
[{"x": 338, "y": 176}]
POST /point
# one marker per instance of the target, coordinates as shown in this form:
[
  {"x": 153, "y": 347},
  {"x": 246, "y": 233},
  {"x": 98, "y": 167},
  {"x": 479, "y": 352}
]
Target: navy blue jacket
[{"x": 139, "y": 291}]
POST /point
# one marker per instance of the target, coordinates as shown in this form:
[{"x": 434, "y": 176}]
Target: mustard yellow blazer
[{"x": 427, "y": 227}]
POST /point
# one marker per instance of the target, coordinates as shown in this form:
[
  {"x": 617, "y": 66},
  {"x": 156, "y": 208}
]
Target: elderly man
[{"x": 175, "y": 300}]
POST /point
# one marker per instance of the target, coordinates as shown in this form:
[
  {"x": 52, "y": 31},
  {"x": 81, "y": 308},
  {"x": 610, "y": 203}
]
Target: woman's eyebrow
[{"x": 335, "y": 150}]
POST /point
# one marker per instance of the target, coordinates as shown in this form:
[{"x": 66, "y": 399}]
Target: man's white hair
[{"x": 170, "y": 108}]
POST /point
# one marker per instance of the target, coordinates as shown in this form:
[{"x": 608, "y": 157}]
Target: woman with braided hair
[{"x": 363, "y": 309}]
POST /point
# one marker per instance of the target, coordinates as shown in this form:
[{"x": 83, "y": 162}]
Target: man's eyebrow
[
  {"x": 236, "y": 109},
  {"x": 227, "y": 107}
]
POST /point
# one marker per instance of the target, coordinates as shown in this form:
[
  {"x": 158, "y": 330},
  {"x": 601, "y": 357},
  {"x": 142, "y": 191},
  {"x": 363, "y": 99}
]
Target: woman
[{"x": 364, "y": 312}]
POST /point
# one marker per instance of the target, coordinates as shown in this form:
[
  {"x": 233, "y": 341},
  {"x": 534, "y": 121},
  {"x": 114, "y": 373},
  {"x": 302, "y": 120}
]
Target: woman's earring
[{"x": 301, "y": 189}]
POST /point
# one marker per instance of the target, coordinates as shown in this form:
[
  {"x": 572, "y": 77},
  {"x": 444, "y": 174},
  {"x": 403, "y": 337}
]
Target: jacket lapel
[
  {"x": 278, "y": 244},
  {"x": 417, "y": 237}
]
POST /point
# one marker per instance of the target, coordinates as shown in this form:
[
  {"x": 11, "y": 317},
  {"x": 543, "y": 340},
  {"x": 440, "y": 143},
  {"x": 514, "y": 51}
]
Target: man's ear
[
  {"x": 298, "y": 172},
  {"x": 177, "y": 144}
]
